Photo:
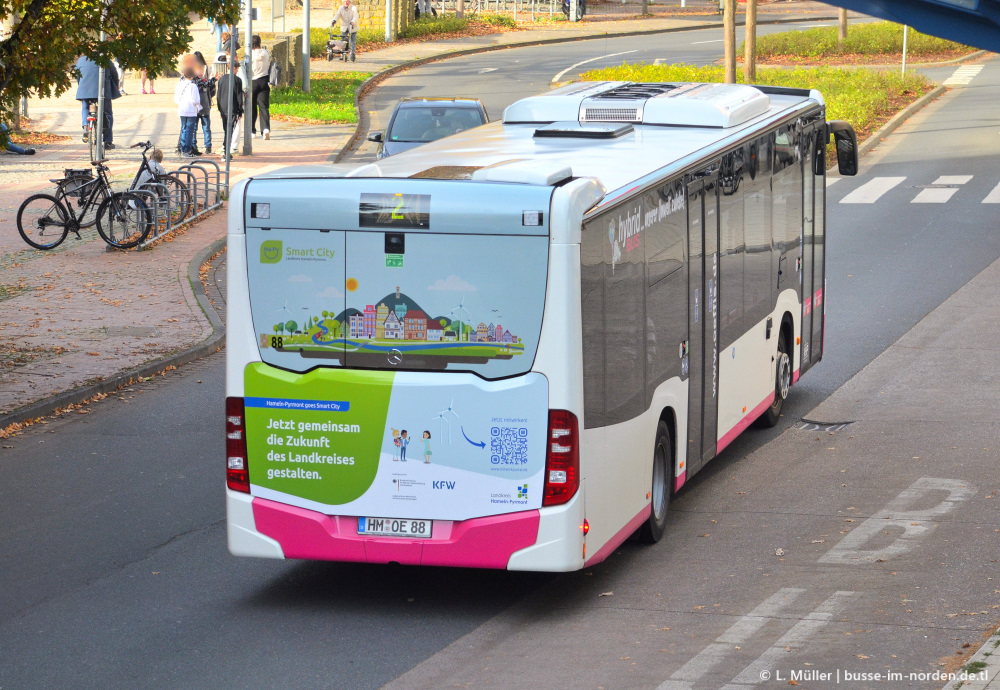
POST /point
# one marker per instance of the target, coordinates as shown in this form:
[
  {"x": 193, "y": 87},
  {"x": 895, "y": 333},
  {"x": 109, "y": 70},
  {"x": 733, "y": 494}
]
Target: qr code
[{"x": 509, "y": 445}]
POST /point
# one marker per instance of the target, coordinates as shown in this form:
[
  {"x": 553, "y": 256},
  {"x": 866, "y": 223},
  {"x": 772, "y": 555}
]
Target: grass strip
[
  {"x": 873, "y": 39},
  {"x": 865, "y": 98},
  {"x": 330, "y": 99}
]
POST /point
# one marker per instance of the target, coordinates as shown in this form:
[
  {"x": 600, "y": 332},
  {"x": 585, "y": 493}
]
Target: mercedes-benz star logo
[{"x": 394, "y": 357}]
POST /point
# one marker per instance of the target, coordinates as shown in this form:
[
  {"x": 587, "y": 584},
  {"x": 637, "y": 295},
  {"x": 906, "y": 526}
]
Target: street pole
[
  {"x": 750, "y": 43},
  {"x": 233, "y": 76},
  {"x": 248, "y": 96},
  {"x": 729, "y": 28},
  {"x": 841, "y": 26},
  {"x": 306, "y": 47},
  {"x": 905, "y": 31},
  {"x": 388, "y": 20}
]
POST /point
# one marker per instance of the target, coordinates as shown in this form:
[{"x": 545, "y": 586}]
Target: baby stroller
[{"x": 335, "y": 47}]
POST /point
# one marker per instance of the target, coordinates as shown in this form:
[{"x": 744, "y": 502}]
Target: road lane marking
[
  {"x": 993, "y": 197},
  {"x": 698, "y": 667},
  {"x": 869, "y": 192},
  {"x": 898, "y": 513},
  {"x": 796, "y": 638},
  {"x": 830, "y": 181},
  {"x": 963, "y": 75},
  {"x": 941, "y": 195},
  {"x": 559, "y": 76},
  {"x": 714, "y": 40}
]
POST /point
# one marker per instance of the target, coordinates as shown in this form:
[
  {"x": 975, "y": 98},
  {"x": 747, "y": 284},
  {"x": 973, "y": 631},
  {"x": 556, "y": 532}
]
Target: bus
[{"x": 511, "y": 347}]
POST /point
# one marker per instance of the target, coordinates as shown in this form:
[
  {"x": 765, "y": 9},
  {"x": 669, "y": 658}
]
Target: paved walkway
[{"x": 80, "y": 314}]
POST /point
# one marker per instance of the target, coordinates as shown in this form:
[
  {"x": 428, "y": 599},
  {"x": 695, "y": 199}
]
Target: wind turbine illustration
[
  {"x": 442, "y": 415},
  {"x": 458, "y": 310}
]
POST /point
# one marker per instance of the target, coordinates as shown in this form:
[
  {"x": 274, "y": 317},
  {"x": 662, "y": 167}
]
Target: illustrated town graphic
[{"x": 395, "y": 322}]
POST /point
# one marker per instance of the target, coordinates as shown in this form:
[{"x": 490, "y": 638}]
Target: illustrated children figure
[
  {"x": 427, "y": 447},
  {"x": 396, "y": 444},
  {"x": 404, "y": 441}
]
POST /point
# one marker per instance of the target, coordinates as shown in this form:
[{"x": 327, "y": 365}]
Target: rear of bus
[{"x": 393, "y": 392}]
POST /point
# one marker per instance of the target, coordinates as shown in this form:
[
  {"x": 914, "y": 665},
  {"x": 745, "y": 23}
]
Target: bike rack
[
  {"x": 206, "y": 190},
  {"x": 154, "y": 207},
  {"x": 218, "y": 185},
  {"x": 162, "y": 220}
]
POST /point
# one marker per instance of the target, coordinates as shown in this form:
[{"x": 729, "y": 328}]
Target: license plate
[{"x": 394, "y": 527}]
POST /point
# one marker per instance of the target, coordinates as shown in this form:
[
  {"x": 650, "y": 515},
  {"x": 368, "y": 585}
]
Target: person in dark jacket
[
  {"x": 230, "y": 99},
  {"x": 87, "y": 93},
  {"x": 206, "y": 87}
]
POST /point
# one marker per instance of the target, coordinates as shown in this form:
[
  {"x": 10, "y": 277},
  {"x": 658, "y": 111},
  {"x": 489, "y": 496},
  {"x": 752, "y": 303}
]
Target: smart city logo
[
  {"x": 270, "y": 251},
  {"x": 522, "y": 491},
  {"x": 443, "y": 485}
]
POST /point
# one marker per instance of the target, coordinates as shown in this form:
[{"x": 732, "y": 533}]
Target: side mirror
[
  {"x": 846, "y": 143},
  {"x": 376, "y": 137}
]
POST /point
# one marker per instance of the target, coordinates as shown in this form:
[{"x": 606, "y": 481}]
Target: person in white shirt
[
  {"x": 348, "y": 16},
  {"x": 260, "y": 64},
  {"x": 188, "y": 101}
]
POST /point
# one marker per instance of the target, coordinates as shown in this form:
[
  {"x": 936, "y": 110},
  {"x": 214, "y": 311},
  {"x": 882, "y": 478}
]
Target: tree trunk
[
  {"x": 841, "y": 27},
  {"x": 729, "y": 28},
  {"x": 460, "y": 9},
  {"x": 750, "y": 44}
]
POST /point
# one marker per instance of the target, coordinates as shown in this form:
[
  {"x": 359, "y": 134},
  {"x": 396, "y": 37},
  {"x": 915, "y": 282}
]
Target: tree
[
  {"x": 750, "y": 44},
  {"x": 841, "y": 26},
  {"x": 291, "y": 327},
  {"x": 729, "y": 37},
  {"x": 40, "y": 40},
  {"x": 279, "y": 328}
]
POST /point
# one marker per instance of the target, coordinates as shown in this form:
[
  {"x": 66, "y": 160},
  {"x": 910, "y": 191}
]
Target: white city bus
[{"x": 507, "y": 349}]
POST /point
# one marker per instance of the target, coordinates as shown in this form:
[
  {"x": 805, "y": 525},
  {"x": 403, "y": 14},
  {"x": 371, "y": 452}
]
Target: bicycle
[
  {"x": 89, "y": 132},
  {"x": 123, "y": 219},
  {"x": 146, "y": 177}
]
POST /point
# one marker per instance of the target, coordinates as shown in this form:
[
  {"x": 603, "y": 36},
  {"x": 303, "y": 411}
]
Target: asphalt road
[{"x": 114, "y": 566}]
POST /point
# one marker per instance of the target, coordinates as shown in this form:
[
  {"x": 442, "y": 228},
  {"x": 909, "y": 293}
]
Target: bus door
[
  {"x": 703, "y": 321},
  {"x": 813, "y": 191}
]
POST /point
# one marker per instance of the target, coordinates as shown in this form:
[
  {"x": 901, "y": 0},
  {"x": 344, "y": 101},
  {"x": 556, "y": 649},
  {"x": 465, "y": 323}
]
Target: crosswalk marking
[
  {"x": 993, "y": 197},
  {"x": 963, "y": 75},
  {"x": 940, "y": 195},
  {"x": 869, "y": 192}
]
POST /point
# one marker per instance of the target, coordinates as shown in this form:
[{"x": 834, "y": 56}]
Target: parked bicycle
[
  {"x": 155, "y": 179},
  {"x": 123, "y": 219}
]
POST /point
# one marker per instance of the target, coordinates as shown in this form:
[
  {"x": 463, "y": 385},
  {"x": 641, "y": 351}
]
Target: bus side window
[
  {"x": 666, "y": 304},
  {"x": 786, "y": 186},
  {"x": 595, "y": 236},
  {"x": 757, "y": 281},
  {"x": 731, "y": 247}
]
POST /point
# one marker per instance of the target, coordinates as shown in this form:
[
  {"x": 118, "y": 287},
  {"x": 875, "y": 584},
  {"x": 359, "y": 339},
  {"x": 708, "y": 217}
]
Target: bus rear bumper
[{"x": 486, "y": 542}]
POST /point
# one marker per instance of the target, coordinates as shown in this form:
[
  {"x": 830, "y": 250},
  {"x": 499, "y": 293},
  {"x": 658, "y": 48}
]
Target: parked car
[{"x": 417, "y": 121}]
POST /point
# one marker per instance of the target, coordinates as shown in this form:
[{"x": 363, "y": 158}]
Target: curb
[
  {"x": 47, "y": 406},
  {"x": 374, "y": 80},
  {"x": 896, "y": 120}
]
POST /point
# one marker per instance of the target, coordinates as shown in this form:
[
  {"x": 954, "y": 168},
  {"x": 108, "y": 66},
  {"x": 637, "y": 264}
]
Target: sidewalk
[{"x": 80, "y": 314}]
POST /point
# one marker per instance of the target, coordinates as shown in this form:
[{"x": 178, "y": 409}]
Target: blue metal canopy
[{"x": 972, "y": 22}]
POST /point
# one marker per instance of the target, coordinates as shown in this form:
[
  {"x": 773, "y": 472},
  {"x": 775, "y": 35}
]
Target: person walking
[
  {"x": 260, "y": 65},
  {"x": 151, "y": 83},
  {"x": 87, "y": 93},
  {"x": 188, "y": 102},
  {"x": 348, "y": 16},
  {"x": 230, "y": 105}
]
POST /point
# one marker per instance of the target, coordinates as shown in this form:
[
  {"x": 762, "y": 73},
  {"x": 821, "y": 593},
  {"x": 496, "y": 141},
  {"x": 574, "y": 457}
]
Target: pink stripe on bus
[
  {"x": 623, "y": 534},
  {"x": 679, "y": 480},
  {"x": 477, "y": 543},
  {"x": 744, "y": 423},
  {"x": 795, "y": 379}
]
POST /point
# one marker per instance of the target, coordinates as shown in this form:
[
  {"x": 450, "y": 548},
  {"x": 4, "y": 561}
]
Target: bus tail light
[
  {"x": 562, "y": 458},
  {"x": 237, "y": 474}
]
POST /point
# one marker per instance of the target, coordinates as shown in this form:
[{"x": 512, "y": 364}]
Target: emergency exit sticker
[{"x": 393, "y": 260}]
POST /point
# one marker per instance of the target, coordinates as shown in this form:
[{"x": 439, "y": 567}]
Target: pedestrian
[
  {"x": 230, "y": 102},
  {"x": 151, "y": 84},
  {"x": 260, "y": 64},
  {"x": 188, "y": 102},
  {"x": 347, "y": 14},
  {"x": 87, "y": 94},
  {"x": 11, "y": 146},
  {"x": 206, "y": 89},
  {"x": 121, "y": 76},
  {"x": 189, "y": 60}
]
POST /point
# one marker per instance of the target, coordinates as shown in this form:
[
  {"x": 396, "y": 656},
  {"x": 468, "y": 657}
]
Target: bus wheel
[
  {"x": 663, "y": 464},
  {"x": 782, "y": 382}
]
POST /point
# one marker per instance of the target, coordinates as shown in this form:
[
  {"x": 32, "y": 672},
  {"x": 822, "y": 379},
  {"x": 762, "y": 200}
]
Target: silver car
[{"x": 417, "y": 121}]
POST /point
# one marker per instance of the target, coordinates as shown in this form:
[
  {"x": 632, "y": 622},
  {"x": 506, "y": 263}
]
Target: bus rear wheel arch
[
  {"x": 782, "y": 375},
  {"x": 661, "y": 486}
]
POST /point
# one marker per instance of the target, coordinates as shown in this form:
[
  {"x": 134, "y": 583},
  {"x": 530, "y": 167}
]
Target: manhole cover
[{"x": 813, "y": 425}]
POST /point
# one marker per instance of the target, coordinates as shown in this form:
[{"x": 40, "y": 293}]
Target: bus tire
[
  {"x": 663, "y": 464},
  {"x": 782, "y": 382}
]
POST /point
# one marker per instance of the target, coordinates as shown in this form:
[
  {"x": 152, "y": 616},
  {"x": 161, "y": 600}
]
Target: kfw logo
[
  {"x": 270, "y": 251},
  {"x": 443, "y": 485},
  {"x": 522, "y": 491}
]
